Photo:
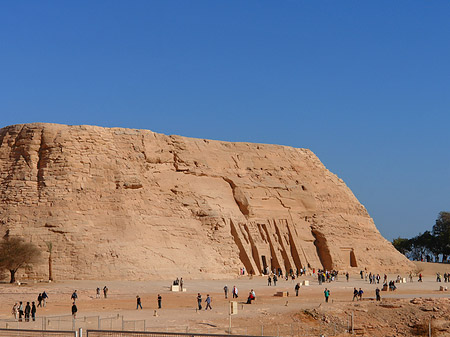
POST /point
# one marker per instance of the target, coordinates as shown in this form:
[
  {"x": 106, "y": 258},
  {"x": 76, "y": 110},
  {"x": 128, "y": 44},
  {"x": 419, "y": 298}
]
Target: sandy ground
[{"x": 269, "y": 314}]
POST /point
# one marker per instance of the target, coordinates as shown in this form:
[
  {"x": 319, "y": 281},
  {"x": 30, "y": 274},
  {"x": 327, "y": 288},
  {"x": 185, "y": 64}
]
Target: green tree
[
  {"x": 421, "y": 245},
  {"x": 402, "y": 245},
  {"x": 15, "y": 253},
  {"x": 441, "y": 232}
]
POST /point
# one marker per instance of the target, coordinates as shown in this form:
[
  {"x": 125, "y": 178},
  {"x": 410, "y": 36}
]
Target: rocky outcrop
[{"x": 135, "y": 204}]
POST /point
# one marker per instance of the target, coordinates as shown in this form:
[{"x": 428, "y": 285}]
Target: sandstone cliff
[{"x": 134, "y": 204}]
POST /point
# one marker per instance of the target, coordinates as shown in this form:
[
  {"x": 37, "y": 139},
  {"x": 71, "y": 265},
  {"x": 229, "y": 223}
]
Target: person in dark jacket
[
  {"x": 27, "y": 312},
  {"x": 74, "y": 310},
  {"x": 33, "y": 311}
]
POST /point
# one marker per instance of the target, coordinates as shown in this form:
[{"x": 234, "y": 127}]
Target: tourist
[
  {"x": 39, "y": 300},
  {"x": 44, "y": 298},
  {"x": 360, "y": 294},
  {"x": 275, "y": 279},
  {"x": 225, "y": 290},
  {"x": 199, "y": 301},
  {"x": 105, "y": 291},
  {"x": 235, "y": 292},
  {"x": 355, "y": 294},
  {"x": 138, "y": 302},
  {"x": 74, "y": 310},
  {"x": 15, "y": 310},
  {"x": 327, "y": 294},
  {"x": 208, "y": 302},
  {"x": 20, "y": 311},
  {"x": 97, "y": 292},
  {"x": 297, "y": 288},
  {"x": 269, "y": 281},
  {"x": 377, "y": 294},
  {"x": 33, "y": 311},
  {"x": 347, "y": 276},
  {"x": 420, "y": 278},
  {"x": 74, "y": 296},
  {"x": 159, "y": 301},
  {"x": 27, "y": 312},
  {"x": 181, "y": 284}
]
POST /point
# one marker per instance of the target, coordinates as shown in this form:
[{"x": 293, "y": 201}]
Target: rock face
[{"x": 134, "y": 204}]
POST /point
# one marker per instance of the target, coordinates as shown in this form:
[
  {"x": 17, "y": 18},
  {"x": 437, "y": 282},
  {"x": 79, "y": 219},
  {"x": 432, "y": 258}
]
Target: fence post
[
  {"x": 262, "y": 329},
  {"x": 353, "y": 330}
]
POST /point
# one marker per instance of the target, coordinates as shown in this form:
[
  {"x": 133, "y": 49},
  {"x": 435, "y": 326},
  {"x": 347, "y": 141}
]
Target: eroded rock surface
[{"x": 134, "y": 204}]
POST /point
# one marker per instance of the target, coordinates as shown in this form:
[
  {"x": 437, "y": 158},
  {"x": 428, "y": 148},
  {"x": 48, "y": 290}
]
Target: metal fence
[
  {"x": 93, "y": 326},
  {"x": 66, "y": 322},
  {"x": 35, "y": 333},
  {"x": 112, "y": 333}
]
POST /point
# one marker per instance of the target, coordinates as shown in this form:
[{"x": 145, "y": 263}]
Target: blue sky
[{"x": 363, "y": 84}]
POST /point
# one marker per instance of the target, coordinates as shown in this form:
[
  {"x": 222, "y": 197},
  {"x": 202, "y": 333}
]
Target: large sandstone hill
[{"x": 133, "y": 204}]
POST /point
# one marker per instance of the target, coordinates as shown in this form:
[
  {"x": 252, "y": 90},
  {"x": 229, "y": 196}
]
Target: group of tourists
[
  {"x": 179, "y": 282},
  {"x": 27, "y": 312},
  {"x": 327, "y": 276},
  {"x": 207, "y": 301},
  {"x": 139, "y": 302},
  {"x": 439, "y": 277},
  {"x": 98, "y": 292},
  {"x": 24, "y": 313}
]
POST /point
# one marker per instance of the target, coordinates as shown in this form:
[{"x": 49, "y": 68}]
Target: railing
[
  {"x": 36, "y": 333},
  {"x": 116, "y": 326},
  {"x": 112, "y": 333}
]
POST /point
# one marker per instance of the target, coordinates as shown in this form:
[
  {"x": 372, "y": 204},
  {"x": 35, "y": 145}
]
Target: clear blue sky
[{"x": 363, "y": 84}]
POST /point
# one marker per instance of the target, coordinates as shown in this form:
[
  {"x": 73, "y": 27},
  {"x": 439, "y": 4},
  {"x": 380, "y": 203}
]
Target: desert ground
[{"x": 408, "y": 311}]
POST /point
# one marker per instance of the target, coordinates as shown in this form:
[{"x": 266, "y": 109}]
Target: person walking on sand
[
  {"x": 327, "y": 294},
  {"x": 39, "y": 300},
  {"x": 97, "y": 292},
  {"x": 355, "y": 294},
  {"x": 33, "y": 311},
  {"x": 360, "y": 294},
  {"x": 20, "y": 311},
  {"x": 159, "y": 301},
  {"x": 15, "y": 311},
  {"x": 225, "y": 290},
  {"x": 199, "y": 301},
  {"x": 138, "y": 302},
  {"x": 377, "y": 294},
  {"x": 74, "y": 296},
  {"x": 105, "y": 291},
  {"x": 297, "y": 288},
  {"x": 44, "y": 298},
  {"x": 235, "y": 292},
  {"x": 74, "y": 310},
  {"x": 27, "y": 312},
  {"x": 208, "y": 302}
]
